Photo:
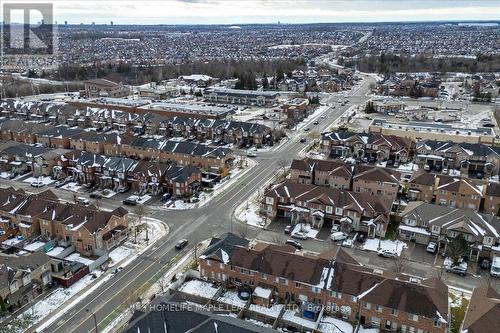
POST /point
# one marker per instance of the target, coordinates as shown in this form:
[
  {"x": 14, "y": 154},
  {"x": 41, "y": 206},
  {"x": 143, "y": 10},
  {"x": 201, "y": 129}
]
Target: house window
[
  {"x": 232, "y": 268},
  {"x": 412, "y": 317},
  {"x": 336, "y": 294},
  {"x": 354, "y": 299},
  {"x": 316, "y": 290},
  {"x": 329, "y": 209},
  {"x": 263, "y": 276},
  {"x": 298, "y": 285},
  {"x": 378, "y": 308},
  {"x": 283, "y": 281},
  {"x": 394, "y": 312},
  {"x": 367, "y": 305}
]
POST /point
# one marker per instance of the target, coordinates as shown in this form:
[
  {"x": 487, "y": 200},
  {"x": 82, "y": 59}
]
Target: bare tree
[
  {"x": 163, "y": 283},
  {"x": 242, "y": 230},
  {"x": 140, "y": 214},
  {"x": 282, "y": 163},
  {"x": 133, "y": 301},
  {"x": 400, "y": 263}
]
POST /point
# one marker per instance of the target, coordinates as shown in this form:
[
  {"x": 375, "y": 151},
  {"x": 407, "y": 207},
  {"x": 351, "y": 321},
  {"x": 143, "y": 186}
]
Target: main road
[{"x": 194, "y": 224}]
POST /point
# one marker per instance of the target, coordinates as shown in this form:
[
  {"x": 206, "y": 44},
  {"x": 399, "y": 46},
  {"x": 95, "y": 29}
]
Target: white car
[
  {"x": 387, "y": 253},
  {"x": 338, "y": 236},
  {"x": 335, "y": 227},
  {"x": 251, "y": 153},
  {"x": 37, "y": 183},
  {"x": 83, "y": 201},
  {"x": 431, "y": 247},
  {"x": 300, "y": 235}
]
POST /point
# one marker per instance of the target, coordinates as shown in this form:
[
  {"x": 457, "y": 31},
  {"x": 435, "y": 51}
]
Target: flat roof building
[{"x": 432, "y": 131}]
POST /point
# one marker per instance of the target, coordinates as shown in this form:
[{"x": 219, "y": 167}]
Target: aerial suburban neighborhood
[{"x": 258, "y": 166}]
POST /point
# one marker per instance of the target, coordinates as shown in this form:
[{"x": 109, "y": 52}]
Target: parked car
[
  {"x": 459, "y": 269},
  {"x": 83, "y": 201},
  {"x": 495, "y": 267},
  {"x": 445, "y": 171},
  {"x": 288, "y": 229},
  {"x": 387, "y": 253},
  {"x": 130, "y": 202},
  {"x": 123, "y": 189},
  {"x": 37, "y": 183},
  {"x": 338, "y": 236},
  {"x": 303, "y": 140},
  {"x": 251, "y": 153},
  {"x": 294, "y": 243},
  {"x": 431, "y": 247},
  {"x": 60, "y": 183},
  {"x": 335, "y": 227},
  {"x": 427, "y": 167},
  {"x": 300, "y": 235},
  {"x": 181, "y": 244},
  {"x": 95, "y": 195},
  {"x": 316, "y": 123},
  {"x": 306, "y": 129},
  {"x": 166, "y": 197}
]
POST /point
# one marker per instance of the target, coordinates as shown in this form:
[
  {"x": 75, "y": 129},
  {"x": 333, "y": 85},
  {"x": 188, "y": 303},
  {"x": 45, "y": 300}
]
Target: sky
[{"x": 268, "y": 11}]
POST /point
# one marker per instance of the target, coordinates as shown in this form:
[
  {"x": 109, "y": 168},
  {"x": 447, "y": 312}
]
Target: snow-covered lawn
[
  {"x": 180, "y": 204},
  {"x": 106, "y": 193},
  {"x": 368, "y": 330},
  {"x": 306, "y": 228},
  {"x": 231, "y": 298},
  {"x": 75, "y": 256},
  {"x": 374, "y": 244},
  {"x": 294, "y": 317},
  {"x": 251, "y": 215},
  {"x": 55, "y": 251},
  {"x": 273, "y": 311},
  {"x": 408, "y": 167},
  {"x": 333, "y": 325},
  {"x": 259, "y": 323},
  {"x": 118, "y": 254},
  {"x": 199, "y": 288},
  {"x": 13, "y": 241},
  {"x": 44, "y": 180},
  {"x": 34, "y": 246},
  {"x": 54, "y": 300},
  {"x": 5, "y": 175},
  {"x": 72, "y": 186}
]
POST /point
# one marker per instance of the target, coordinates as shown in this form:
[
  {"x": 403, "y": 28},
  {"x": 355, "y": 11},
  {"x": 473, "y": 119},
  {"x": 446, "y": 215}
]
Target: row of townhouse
[
  {"x": 471, "y": 159},
  {"x": 333, "y": 281},
  {"x": 367, "y": 146},
  {"x": 319, "y": 205},
  {"x": 102, "y": 119},
  {"x": 23, "y": 278},
  {"x": 240, "y": 96},
  {"x": 216, "y": 159},
  {"x": 338, "y": 174},
  {"x": 455, "y": 192},
  {"x": 423, "y": 222},
  {"x": 85, "y": 227},
  {"x": 108, "y": 172}
]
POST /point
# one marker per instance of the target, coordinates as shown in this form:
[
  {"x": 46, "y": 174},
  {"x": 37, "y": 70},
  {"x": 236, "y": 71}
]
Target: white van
[
  {"x": 495, "y": 267},
  {"x": 83, "y": 201}
]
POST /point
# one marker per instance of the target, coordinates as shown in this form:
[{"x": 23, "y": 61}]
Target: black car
[
  {"x": 294, "y": 243},
  {"x": 95, "y": 195},
  {"x": 181, "y": 244},
  {"x": 303, "y": 140},
  {"x": 130, "y": 202},
  {"x": 288, "y": 229}
]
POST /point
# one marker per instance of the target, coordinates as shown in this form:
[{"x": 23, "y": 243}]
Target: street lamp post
[{"x": 95, "y": 319}]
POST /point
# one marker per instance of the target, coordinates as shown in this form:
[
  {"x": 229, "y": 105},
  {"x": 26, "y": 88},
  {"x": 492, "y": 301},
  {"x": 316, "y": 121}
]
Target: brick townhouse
[
  {"x": 455, "y": 192},
  {"x": 87, "y": 228},
  {"x": 21, "y": 131},
  {"x": 338, "y": 174},
  {"x": 423, "y": 222},
  {"x": 84, "y": 227},
  {"x": 58, "y": 136},
  {"x": 332, "y": 280},
  {"x": 469, "y": 158},
  {"x": 321, "y": 205},
  {"x": 367, "y": 146}
]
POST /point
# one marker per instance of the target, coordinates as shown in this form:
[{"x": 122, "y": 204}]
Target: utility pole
[{"x": 95, "y": 319}]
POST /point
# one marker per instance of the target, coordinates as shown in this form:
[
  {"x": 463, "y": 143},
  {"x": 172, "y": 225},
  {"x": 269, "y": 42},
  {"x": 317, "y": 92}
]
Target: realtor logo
[{"x": 28, "y": 35}]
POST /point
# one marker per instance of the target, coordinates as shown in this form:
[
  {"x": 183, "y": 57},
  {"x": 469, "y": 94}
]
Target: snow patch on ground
[
  {"x": 251, "y": 215},
  {"x": 374, "y": 244},
  {"x": 75, "y": 256},
  {"x": 333, "y": 325},
  {"x": 118, "y": 254},
  {"x": 44, "y": 180},
  {"x": 71, "y": 186},
  {"x": 294, "y": 317},
  {"x": 231, "y": 298},
  {"x": 199, "y": 288}
]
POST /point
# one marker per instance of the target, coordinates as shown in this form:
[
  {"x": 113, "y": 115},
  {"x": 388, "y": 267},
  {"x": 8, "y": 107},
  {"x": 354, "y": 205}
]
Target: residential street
[{"x": 213, "y": 218}]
